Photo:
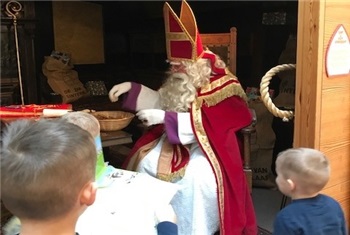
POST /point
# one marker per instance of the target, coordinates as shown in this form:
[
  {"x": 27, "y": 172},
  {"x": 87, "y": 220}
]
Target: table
[
  {"x": 115, "y": 138},
  {"x": 125, "y": 204},
  {"x": 111, "y": 138}
]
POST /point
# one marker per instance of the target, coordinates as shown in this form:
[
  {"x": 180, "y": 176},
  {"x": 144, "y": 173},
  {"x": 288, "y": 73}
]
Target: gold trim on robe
[
  {"x": 204, "y": 142},
  {"x": 220, "y": 89}
]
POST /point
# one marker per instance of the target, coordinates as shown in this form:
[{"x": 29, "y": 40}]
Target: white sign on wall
[{"x": 338, "y": 53}]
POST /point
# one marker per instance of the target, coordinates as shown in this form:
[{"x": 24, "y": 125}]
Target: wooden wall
[{"x": 323, "y": 104}]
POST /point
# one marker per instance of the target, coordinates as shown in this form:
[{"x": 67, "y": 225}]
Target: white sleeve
[
  {"x": 185, "y": 131},
  {"x": 147, "y": 99}
]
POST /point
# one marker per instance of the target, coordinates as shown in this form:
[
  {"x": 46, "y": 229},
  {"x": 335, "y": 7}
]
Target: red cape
[{"x": 221, "y": 122}]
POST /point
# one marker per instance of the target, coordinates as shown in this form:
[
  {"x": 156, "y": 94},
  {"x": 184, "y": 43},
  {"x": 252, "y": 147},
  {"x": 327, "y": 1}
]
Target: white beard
[{"x": 177, "y": 93}]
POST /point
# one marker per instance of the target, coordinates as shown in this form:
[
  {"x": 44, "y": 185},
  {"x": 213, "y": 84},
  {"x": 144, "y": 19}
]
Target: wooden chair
[
  {"x": 225, "y": 46},
  {"x": 247, "y": 133}
]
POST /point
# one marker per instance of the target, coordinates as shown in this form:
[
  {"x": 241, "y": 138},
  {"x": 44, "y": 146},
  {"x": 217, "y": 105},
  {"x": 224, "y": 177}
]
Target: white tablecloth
[{"x": 126, "y": 205}]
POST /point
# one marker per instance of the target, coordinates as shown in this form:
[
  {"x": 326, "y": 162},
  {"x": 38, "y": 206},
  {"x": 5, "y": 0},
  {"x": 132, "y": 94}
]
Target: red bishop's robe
[{"x": 219, "y": 111}]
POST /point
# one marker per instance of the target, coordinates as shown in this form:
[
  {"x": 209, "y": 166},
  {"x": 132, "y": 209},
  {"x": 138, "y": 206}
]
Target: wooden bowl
[{"x": 113, "y": 120}]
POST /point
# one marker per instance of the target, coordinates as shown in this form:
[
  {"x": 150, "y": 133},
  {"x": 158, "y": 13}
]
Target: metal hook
[{"x": 13, "y": 8}]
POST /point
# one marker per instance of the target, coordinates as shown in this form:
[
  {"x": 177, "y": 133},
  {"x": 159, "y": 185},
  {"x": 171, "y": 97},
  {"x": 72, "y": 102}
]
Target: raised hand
[{"x": 118, "y": 90}]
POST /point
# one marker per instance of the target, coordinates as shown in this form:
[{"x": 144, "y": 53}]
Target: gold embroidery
[
  {"x": 165, "y": 161},
  {"x": 140, "y": 154},
  {"x": 172, "y": 176},
  {"x": 218, "y": 83},
  {"x": 177, "y": 36},
  {"x": 185, "y": 35},
  {"x": 219, "y": 95},
  {"x": 204, "y": 142}
]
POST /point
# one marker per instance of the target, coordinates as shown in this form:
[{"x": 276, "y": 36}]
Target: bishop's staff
[{"x": 12, "y": 10}]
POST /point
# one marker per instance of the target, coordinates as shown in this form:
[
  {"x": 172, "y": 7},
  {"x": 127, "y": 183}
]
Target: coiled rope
[{"x": 265, "y": 95}]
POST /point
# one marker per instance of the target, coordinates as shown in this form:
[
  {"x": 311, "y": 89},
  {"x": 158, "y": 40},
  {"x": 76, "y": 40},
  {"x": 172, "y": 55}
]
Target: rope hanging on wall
[
  {"x": 12, "y": 10},
  {"x": 265, "y": 96}
]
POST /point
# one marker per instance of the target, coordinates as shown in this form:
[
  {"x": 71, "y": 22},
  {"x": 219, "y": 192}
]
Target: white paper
[{"x": 55, "y": 112}]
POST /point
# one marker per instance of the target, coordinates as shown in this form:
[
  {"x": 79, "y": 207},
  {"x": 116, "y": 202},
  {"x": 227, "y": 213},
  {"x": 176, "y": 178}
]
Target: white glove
[
  {"x": 165, "y": 213},
  {"x": 118, "y": 90},
  {"x": 151, "y": 117}
]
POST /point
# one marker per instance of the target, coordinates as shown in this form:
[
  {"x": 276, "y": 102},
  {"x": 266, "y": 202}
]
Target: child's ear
[
  {"x": 291, "y": 184},
  {"x": 88, "y": 194}
]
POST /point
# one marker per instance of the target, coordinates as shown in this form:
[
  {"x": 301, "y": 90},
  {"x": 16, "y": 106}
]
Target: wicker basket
[{"x": 113, "y": 120}]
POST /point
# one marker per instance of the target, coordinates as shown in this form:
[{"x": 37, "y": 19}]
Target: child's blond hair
[{"x": 308, "y": 167}]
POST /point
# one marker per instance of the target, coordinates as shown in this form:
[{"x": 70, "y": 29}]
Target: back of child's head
[
  {"x": 84, "y": 120},
  {"x": 308, "y": 167},
  {"x": 44, "y": 166}
]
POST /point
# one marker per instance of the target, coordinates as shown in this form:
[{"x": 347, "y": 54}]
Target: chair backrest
[{"x": 224, "y": 45}]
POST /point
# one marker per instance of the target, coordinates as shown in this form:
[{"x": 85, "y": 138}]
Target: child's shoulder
[
  {"x": 300, "y": 205},
  {"x": 328, "y": 199},
  {"x": 303, "y": 207},
  {"x": 332, "y": 203}
]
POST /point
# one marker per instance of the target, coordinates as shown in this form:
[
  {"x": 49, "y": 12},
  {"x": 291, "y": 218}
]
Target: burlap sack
[
  {"x": 262, "y": 148},
  {"x": 262, "y": 144},
  {"x": 63, "y": 79}
]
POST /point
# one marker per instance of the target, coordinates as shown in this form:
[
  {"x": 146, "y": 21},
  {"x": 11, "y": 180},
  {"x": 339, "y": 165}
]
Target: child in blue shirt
[{"x": 301, "y": 174}]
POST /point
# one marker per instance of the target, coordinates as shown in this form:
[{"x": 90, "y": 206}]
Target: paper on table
[
  {"x": 127, "y": 206},
  {"x": 55, "y": 112}
]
